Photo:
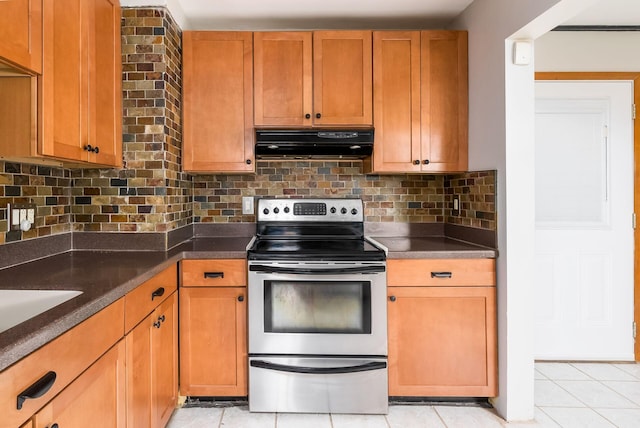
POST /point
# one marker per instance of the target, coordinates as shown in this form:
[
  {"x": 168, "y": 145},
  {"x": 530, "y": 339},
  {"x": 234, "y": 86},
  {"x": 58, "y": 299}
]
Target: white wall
[
  {"x": 588, "y": 51},
  {"x": 501, "y": 137}
]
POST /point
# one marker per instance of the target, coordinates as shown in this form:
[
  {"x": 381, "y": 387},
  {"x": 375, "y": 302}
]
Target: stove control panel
[{"x": 326, "y": 210}]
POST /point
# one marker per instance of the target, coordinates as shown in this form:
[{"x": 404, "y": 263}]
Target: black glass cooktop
[{"x": 315, "y": 249}]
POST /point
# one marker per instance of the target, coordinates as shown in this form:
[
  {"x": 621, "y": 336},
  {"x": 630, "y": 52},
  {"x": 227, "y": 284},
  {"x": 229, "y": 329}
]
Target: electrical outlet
[
  {"x": 18, "y": 213},
  {"x": 456, "y": 206},
  {"x": 247, "y": 205}
]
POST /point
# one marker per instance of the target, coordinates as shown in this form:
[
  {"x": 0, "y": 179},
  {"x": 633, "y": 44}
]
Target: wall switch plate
[
  {"x": 456, "y": 206},
  {"x": 247, "y": 205},
  {"x": 17, "y": 213}
]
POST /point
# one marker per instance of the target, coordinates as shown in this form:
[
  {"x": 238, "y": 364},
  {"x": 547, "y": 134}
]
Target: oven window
[{"x": 317, "y": 307}]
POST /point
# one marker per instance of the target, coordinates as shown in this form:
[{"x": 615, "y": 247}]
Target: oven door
[{"x": 317, "y": 308}]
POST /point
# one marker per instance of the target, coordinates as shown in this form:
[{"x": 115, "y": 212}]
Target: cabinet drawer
[
  {"x": 140, "y": 302},
  {"x": 214, "y": 273},
  {"x": 440, "y": 272},
  {"x": 67, "y": 356}
]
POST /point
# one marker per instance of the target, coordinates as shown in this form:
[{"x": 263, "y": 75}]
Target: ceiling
[{"x": 348, "y": 14}]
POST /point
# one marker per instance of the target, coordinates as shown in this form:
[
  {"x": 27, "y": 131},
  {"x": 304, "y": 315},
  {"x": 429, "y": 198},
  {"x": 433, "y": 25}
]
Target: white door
[{"x": 584, "y": 229}]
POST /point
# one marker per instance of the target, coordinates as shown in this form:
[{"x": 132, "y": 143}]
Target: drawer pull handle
[
  {"x": 441, "y": 274},
  {"x": 158, "y": 293},
  {"x": 38, "y": 389},
  {"x": 214, "y": 274}
]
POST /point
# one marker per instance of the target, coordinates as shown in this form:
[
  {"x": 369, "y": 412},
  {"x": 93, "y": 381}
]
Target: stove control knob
[
  {"x": 276, "y": 210},
  {"x": 286, "y": 210},
  {"x": 333, "y": 210},
  {"x": 354, "y": 211},
  {"x": 343, "y": 210},
  {"x": 265, "y": 211}
]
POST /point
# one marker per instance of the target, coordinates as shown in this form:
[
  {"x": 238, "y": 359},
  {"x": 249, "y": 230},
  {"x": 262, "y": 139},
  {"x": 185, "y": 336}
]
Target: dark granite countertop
[
  {"x": 106, "y": 276},
  {"x": 102, "y": 276},
  {"x": 432, "y": 247}
]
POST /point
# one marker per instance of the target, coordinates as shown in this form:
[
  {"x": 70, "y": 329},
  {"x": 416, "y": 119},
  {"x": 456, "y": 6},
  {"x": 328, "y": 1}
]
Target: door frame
[{"x": 635, "y": 77}]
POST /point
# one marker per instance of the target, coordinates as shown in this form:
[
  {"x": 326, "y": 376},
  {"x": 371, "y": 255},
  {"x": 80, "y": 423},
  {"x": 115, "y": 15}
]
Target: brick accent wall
[
  {"x": 402, "y": 198},
  {"x": 150, "y": 194},
  {"x": 477, "y": 191},
  {"x": 47, "y": 187}
]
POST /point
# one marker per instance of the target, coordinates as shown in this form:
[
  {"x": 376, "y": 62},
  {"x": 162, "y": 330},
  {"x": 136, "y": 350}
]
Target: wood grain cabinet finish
[
  {"x": 218, "y": 101},
  {"x": 68, "y": 356},
  {"x": 95, "y": 399},
  {"x": 21, "y": 34},
  {"x": 420, "y": 94},
  {"x": 442, "y": 338},
  {"x": 312, "y": 79},
  {"x": 147, "y": 297},
  {"x": 152, "y": 366},
  {"x": 213, "y": 331},
  {"x": 80, "y": 86}
]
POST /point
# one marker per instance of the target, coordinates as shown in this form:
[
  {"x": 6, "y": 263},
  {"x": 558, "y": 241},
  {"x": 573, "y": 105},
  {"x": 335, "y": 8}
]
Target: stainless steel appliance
[
  {"x": 317, "y": 310},
  {"x": 314, "y": 143}
]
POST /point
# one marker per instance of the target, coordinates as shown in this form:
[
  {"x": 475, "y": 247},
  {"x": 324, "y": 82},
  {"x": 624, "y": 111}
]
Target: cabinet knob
[
  {"x": 161, "y": 318},
  {"x": 96, "y": 150},
  {"x": 241, "y": 298},
  {"x": 248, "y": 161},
  {"x": 307, "y": 116},
  {"x": 416, "y": 162},
  {"x": 392, "y": 298},
  {"x": 54, "y": 426},
  {"x": 88, "y": 148},
  {"x": 157, "y": 324},
  {"x": 318, "y": 115},
  {"x": 426, "y": 161}
]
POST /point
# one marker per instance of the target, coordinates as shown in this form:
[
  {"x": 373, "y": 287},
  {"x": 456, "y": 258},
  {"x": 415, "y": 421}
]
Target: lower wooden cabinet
[
  {"x": 95, "y": 399},
  {"x": 213, "y": 341},
  {"x": 442, "y": 328},
  {"x": 152, "y": 367}
]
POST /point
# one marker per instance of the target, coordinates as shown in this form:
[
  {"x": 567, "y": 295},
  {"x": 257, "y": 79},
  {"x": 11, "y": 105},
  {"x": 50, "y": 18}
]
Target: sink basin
[{"x": 17, "y": 306}]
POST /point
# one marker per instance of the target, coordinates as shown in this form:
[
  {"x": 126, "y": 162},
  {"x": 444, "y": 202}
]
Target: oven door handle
[
  {"x": 375, "y": 365},
  {"x": 322, "y": 271}
]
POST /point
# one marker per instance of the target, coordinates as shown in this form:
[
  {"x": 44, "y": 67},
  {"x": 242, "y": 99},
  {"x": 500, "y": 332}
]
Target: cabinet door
[
  {"x": 442, "y": 341},
  {"x": 342, "y": 78},
  {"x": 96, "y": 398},
  {"x": 21, "y": 33},
  {"x": 64, "y": 84},
  {"x": 213, "y": 341},
  {"x": 396, "y": 92},
  {"x": 165, "y": 361},
  {"x": 152, "y": 367},
  {"x": 105, "y": 83},
  {"x": 218, "y": 101},
  {"x": 444, "y": 101},
  {"x": 283, "y": 87},
  {"x": 80, "y": 86}
]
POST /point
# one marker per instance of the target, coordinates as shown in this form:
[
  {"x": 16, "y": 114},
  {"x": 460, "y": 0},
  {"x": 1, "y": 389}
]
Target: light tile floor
[{"x": 567, "y": 395}]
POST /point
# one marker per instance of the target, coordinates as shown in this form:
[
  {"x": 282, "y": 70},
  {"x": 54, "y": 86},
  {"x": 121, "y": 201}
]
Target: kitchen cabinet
[
  {"x": 213, "y": 328},
  {"x": 442, "y": 328},
  {"x": 307, "y": 79},
  {"x": 96, "y": 398},
  {"x": 80, "y": 86},
  {"x": 152, "y": 367},
  {"x": 420, "y": 98},
  {"x": 151, "y": 323},
  {"x": 64, "y": 359},
  {"x": 218, "y": 101},
  {"x": 21, "y": 34}
]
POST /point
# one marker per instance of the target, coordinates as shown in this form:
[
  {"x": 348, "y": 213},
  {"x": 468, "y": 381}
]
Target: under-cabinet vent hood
[{"x": 314, "y": 143}]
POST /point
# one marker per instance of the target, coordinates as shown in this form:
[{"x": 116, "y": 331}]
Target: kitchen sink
[{"x": 17, "y": 306}]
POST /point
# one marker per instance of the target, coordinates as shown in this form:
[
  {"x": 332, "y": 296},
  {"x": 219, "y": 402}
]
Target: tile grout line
[
  {"x": 435, "y": 409},
  {"x": 549, "y": 416},
  {"x": 221, "y": 417}
]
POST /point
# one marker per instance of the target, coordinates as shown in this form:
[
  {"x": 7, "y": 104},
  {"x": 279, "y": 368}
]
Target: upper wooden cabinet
[
  {"x": 218, "y": 101},
  {"x": 420, "y": 101},
  {"x": 80, "y": 88},
  {"x": 312, "y": 79},
  {"x": 21, "y": 33}
]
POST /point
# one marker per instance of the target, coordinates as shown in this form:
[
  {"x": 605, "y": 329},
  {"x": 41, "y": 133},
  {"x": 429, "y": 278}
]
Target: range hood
[{"x": 314, "y": 143}]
